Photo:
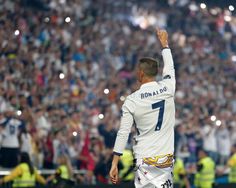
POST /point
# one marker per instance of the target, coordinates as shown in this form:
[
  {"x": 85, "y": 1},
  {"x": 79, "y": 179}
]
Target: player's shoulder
[
  {"x": 131, "y": 99},
  {"x": 133, "y": 96}
]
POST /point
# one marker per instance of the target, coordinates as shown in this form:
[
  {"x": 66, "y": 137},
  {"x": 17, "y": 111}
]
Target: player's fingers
[
  {"x": 111, "y": 176},
  {"x": 113, "y": 180},
  {"x": 114, "y": 177}
]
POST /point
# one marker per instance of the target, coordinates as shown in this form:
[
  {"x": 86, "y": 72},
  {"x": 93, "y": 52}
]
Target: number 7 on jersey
[{"x": 161, "y": 105}]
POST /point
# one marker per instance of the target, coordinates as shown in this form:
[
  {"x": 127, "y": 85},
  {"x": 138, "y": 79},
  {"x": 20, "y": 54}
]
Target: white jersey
[
  {"x": 10, "y": 133},
  {"x": 152, "y": 110}
]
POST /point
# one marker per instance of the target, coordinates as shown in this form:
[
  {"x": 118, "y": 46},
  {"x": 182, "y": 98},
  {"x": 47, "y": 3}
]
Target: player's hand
[
  {"x": 114, "y": 174},
  {"x": 163, "y": 37}
]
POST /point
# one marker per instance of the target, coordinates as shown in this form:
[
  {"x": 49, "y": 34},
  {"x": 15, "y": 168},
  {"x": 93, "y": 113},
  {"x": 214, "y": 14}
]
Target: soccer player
[{"x": 151, "y": 109}]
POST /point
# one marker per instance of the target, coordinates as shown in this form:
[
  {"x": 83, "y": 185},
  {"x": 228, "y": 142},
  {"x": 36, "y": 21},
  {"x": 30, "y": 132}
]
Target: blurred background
[{"x": 66, "y": 67}]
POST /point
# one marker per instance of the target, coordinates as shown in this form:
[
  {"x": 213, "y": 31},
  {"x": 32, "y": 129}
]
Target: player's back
[
  {"x": 152, "y": 109},
  {"x": 154, "y": 118}
]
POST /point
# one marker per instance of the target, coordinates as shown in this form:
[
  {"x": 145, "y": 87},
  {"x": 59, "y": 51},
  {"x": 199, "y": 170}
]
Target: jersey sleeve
[
  {"x": 127, "y": 121},
  {"x": 168, "y": 73}
]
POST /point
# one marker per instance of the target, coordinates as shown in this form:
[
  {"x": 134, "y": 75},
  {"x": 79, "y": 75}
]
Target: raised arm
[{"x": 168, "y": 71}]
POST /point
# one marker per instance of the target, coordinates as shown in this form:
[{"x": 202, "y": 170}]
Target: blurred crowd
[{"x": 66, "y": 67}]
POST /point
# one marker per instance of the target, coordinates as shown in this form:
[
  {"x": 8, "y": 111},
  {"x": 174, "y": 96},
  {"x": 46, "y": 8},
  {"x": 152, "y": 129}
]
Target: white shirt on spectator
[
  {"x": 223, "y": 142},
  {"x": 56, "y": 151},
  {"x": 26, "y": 143},
  {"x": 209, "y": 138},
  {"x": 43, "y": 123},
  {"x": 4, "y": 105},
  {"x": 10, "y": 134}
]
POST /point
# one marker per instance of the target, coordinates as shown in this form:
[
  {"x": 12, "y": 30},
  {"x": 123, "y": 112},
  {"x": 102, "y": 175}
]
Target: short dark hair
[{"x": 149, "y": 66}]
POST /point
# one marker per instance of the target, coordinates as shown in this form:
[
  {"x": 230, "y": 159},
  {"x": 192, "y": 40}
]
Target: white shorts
[{"x": 148, "y": 176}]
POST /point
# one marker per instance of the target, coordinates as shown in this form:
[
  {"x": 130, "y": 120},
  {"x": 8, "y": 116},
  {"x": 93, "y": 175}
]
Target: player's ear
[{"x": 140, "y": 75}]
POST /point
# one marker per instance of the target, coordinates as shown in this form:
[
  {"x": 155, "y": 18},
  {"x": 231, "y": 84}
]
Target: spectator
[
  {"x": 56, "y": 145},
  {"x": 108, "y": 133},
  {"x": 223, "y": 144},
  {"x": 25, "y": 142},
  {"x": 24, "y": 175},
  {"x": 209, "y": 141},
  {"x": 48, "y": 152},
  {"x": 10, "y": 143}
]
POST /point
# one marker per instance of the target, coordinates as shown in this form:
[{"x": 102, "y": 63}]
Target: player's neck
[{"x": 147, "y": 80}]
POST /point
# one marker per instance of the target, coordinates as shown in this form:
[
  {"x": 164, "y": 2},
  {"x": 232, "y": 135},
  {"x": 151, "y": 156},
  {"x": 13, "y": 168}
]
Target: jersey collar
[{"x": 148, "y": 84}]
